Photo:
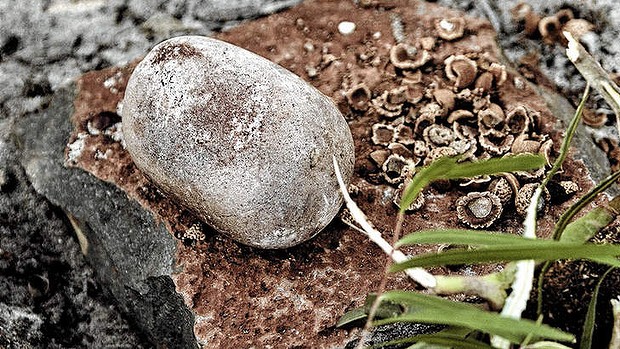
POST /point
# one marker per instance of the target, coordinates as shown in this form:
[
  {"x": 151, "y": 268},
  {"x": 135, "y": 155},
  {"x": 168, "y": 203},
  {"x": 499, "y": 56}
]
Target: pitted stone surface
[{"x": 244, "y": 143}]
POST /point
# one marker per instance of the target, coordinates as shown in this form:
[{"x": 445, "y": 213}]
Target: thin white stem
[
  {"x": 615, "y": 334},
  {"x": 524, "y": 276},
  {"x": 418, "y": 275}
]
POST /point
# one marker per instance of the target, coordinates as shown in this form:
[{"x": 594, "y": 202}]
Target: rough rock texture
[
  {"x": 139, "y": 284},
  {"x": 245, "y": 297},
  {"x": 45, "y": 43},
  {"x": 48, "y": 294},
  {"x": 245, "y": 144}
]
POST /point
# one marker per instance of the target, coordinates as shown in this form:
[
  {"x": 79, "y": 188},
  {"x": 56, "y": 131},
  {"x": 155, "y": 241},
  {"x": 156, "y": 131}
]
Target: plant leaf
[
  {"x": 433, "y": 309},
  {"x": 352, "y": 316},
  {"x": 461, "y": 237},
  {"x": 584, "y": 228},
  {"x": 588, "y": 326},
  {"x": 449, "y": 168},
  {"x": 585, "y": 200},
  {"x": 512, "y": 163},
  {"x": 423, "y": 178},
  {"x": 540, "y": 250}
]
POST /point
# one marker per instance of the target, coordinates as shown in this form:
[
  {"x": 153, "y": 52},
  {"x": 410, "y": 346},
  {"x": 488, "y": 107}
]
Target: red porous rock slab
[{"x": 245, "y": 297}]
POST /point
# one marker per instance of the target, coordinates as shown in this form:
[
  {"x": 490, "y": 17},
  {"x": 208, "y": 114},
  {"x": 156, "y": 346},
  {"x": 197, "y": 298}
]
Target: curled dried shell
[
  {"x": 431, "y": 109},
  {"x": 405, "y": 56},
  {"x": 463, "y": 124},
  {"x": 395, "y": 167},
  {"x": 385, "y": 107},
  {"x": 578, "y": 27},
  {"x": 460, "y": 114},
  {"x": 593, "y": 119},
  {"x": 404, "y": 134},
  {"x": 438, "y": 152},
  {"x": 479, "y": 209},
  {"x": 461, "y": 70},
  {"x": 379, "y": 156},
  {"x": 491, "y": 118},
  {"x": 464, "y": 131},
  {"x": 545, "y": 150},
  {"x": 450, "y": 28},
  {"x": 499, "y": 73},
  {"x": 549, "y": 28},
  {"x": 359, "y": 97},
  {"x": 505, "y": 187},
  {"x": 523, "y": 144},
  {"x": 399, "y": 149},
  {"x": 438, "y": 135},
  {"x": 524, "y": 14},
  {"x": 518, "y": 120},
  {"x": 422, "y": 122},
  {"x": 463, "y": 146},
  {"x": 420, "y": 149},
  {"x": 428, "y": 43},
  {"x": 524, "y": 196},
  {"x": 476, "y": 182},
  {"x": 484, "y": 82},
  {"x": 466, "y": 148},
  {"x": 480, "y": 102},
  {"x": 412, "y": 76},
  {"x": 414, "y": 93},
  {"x": 564, "y": 15},
  {"x": 382, "y": 134},
  {"x": 445, "y": 98},
  {"x": 496, "y": 142}
]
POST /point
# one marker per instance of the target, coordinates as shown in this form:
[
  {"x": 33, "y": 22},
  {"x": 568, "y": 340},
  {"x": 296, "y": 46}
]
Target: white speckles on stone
[
  {"x": 111, "y": 82},
  {"x": 241, "y": 141},
  {"x": 346, "y": 28},
  {"x": 76, "y": 147}
]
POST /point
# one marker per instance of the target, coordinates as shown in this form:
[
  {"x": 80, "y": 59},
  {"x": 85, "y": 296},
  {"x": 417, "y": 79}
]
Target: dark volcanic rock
[{"x": 132, "y": 253}]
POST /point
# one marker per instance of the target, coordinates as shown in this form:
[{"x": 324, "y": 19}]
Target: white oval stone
[
  {"x": 346, "y": 28},
  {"x": 241, "y": 141}
]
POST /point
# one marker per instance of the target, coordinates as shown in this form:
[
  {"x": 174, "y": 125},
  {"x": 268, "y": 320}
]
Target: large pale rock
[{"x": 238, "y": 139}]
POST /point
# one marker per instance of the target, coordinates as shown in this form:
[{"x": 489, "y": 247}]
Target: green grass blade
[
  {"x": 588, "y": 326},
  {"x": 423, "y": 178},
  {"x": 584, "y": 201},
  {"x": 461, "y": 237},
  {"x": 584, "y": 228},
  {"x": 432, "y": 309},
  {"x": 541, "y": 250},
  {"x": 568, "y": 137},
  {"x": 449, "y": 168},
  {"x": 522, "y": 162},
  {"x": 351, "y": 317}
]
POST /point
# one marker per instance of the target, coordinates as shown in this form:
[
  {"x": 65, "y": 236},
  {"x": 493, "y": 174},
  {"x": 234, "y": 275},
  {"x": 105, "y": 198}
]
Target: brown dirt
[{"x": 292, "y": 298}]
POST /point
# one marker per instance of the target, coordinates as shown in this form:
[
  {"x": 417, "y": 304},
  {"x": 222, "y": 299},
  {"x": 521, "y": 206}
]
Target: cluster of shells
[{"x": 456, "y": 114}]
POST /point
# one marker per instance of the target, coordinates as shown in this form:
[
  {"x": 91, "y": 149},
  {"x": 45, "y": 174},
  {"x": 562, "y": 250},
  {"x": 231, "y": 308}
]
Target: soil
[{"x": 312, "y": 47}]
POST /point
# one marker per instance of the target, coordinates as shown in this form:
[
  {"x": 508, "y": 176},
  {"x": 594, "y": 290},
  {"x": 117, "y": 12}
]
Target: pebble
[
  {"x": 346, "y": 28},
  {"x": 241, "y": 141}
]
